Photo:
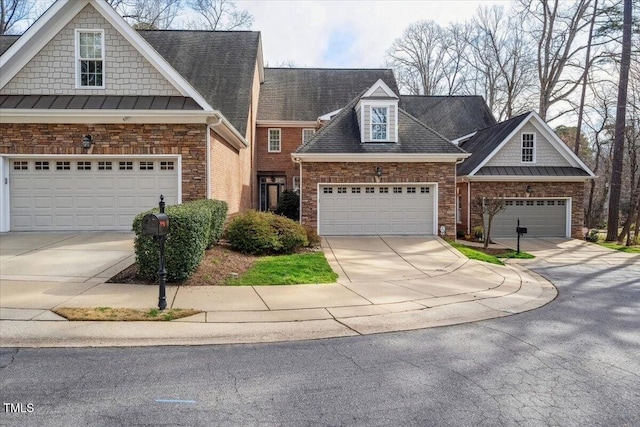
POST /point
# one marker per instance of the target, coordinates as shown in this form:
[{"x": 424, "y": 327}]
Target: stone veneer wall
[
  {"x": 575, "y": 190},
  {"x": 320, "y": 172},
  {"x": 187, "y": 141}
]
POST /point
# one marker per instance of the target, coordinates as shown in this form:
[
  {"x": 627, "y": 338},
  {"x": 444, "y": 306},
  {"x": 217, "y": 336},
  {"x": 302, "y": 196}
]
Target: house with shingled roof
[{"x": 98, "y": 119}]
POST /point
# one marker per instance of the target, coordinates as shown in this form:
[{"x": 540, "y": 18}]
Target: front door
[{"x": 270, "y": 190}]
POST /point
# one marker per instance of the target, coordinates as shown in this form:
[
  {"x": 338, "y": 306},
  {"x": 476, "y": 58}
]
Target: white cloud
[{"x": 346, "y": 33}]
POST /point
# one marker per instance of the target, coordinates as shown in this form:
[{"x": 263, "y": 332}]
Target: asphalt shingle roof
[
  {"x": 220, "y": 65},
  {"x": 451, "y": 116},
  {"x": 342, "y": 136},
  {"x": 485, "y": 141},
  {"x": 6, "y": 42},
  {"x": 304, "y": 94}
]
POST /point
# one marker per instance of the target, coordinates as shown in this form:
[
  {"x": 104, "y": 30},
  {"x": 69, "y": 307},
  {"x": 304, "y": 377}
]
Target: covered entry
[
  {"x": 542, "y": 217},
  {"x": 376, "y": 209}
]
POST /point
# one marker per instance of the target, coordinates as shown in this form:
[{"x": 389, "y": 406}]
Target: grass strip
[
  {"x": 122, "y": 314},
  {"x": 474, "y": 253},
  {"x": 304, "y": 268},
  {"x": 621, "y": 248}
]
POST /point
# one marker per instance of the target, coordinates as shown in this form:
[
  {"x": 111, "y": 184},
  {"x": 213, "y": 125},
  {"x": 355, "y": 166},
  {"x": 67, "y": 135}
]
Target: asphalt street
[{"x": 574, "y": 362}]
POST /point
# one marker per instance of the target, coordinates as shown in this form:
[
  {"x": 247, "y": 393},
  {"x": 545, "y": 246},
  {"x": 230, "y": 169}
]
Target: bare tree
[
  {"x": 500, "y": 61},
  {"x": 556, "y": 30},
  {"x": 618, "y": 146},
  {"x": 148, "y": 14},
  {"x": 219, "y": 15},
  {"x": 12, "y": 12},
  {"x": 490, "y": 207},
  {"x": 424, "y": 61}
]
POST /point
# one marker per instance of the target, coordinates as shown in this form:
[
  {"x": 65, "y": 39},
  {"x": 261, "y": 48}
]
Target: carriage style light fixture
[
  {"x": 528, "y": 190},
  {"x": 378, "y": 171},
  {"x": 87, "y": 140}
]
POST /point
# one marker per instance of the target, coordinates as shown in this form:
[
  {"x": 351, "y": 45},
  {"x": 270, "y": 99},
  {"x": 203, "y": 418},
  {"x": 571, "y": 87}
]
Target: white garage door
[
  {"x": 87, "y": 193},
  {"x": 390, "y": 209},
  {"x": 542, "y": 217}
]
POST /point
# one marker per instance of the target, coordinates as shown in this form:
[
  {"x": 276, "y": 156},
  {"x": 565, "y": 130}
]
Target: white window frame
[
  {"x": 371, "y": 124},
  {"x": 532, "y": 148},
  {"x": 269, "y": 141},
  {"x": 295, "y": 183},
  {"x": 79, "y": 59},
  {"x": 313, "y": 131}
]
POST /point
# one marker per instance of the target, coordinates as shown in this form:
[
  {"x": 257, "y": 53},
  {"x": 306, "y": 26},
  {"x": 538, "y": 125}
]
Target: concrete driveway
[
  {"x": 64, "y": 256},
  {"x": 569, "y": 251}
]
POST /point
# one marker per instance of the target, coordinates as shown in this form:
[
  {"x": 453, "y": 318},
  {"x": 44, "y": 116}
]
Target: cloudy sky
[{"x": 344, "y": 33}]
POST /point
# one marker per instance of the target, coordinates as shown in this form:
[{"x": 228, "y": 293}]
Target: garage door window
[
  {"x": 42, "y": 166},
  {"x": 383, "y": 190},
  {"x": 126, "y": 166},
  {"x": 105, "y": 166},
  {"x": 424, "y": 190},
  {"x": 63, "y": 166},
  {"x": 166, "y": 166},
  {"x": 20, "y": 166},
  {"x": 146, "y": 166},
  {"x": 84, "y": 166}
]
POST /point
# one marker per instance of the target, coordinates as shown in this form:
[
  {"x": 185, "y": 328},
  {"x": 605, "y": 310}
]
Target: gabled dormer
[{"x": 377, "y": 112}]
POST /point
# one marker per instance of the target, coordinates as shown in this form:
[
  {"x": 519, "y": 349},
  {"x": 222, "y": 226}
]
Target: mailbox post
[
  {"x": 157, "y": 225},
  {"x": 520, "y": 231}
]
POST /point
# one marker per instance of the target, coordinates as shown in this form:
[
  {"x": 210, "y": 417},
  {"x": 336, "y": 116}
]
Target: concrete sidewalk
[{"x": 385, "y": 284}]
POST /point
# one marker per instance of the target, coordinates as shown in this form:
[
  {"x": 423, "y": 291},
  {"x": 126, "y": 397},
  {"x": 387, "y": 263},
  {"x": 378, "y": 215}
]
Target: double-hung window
[
  {"x": 528, "y": 147},
  {"x": 379, "y": 123},
  {"x": 90, "y": 58},
  {"x": 307, "y": 134},
  {"x": 274, "y": 141}
]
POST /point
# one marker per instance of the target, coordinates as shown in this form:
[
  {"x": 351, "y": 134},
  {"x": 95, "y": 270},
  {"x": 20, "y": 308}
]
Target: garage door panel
[
  {"x": 542, "y": 218},
  {"x": 81, "y": 194},
  {"x": 387, "y": 209}
]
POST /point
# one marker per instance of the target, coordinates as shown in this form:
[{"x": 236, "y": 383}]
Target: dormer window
[
  {"x": 379, "y": 123},
  {"x": 90, "y": 58}
]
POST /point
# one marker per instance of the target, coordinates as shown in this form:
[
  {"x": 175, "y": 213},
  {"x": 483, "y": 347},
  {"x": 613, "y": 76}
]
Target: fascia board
[
  {"x": 562, "y": 148},
  {"x": 103, "y": 116},
  {"x": 286, "y": 123},
  {"x": 378, "y": 157},
  {"x": 502, "y": 144},
  {"x": 37, "y": 36},
  {"x": 526, "y": 178}
]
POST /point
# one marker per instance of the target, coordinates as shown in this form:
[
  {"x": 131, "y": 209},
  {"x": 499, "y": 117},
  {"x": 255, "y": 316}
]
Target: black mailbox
[
  {"x": 521, "y": 230},
  {"x": 155, "y": 224}
]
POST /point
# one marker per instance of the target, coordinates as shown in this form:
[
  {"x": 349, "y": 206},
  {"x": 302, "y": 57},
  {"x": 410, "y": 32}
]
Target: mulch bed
[{"x": 218, "y": 264}]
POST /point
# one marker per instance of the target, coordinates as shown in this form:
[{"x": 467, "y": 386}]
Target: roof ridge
[
  {"x": 327, "y": 69},
  {"x": 183, "y": 30},
  {"x": 444, "y": 96}
]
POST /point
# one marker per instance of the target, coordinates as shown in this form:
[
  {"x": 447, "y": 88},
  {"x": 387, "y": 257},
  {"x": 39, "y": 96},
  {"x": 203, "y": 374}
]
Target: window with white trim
[
  {"x": 90, "y": 58},
  {"x": 528, "y": 147},
  {"x": 307, "y": 134},
  {"x": 379, "y": 123},
  {"x": 296, "y": 183},
  {"x": 275, "y": 144}
]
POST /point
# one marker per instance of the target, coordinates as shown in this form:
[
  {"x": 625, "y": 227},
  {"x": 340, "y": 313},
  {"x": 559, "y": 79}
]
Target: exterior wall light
[
  {"x": 528, "y": 190},
  {"x": 87, "y": 140},
  {"x": 378, "y": 174}
]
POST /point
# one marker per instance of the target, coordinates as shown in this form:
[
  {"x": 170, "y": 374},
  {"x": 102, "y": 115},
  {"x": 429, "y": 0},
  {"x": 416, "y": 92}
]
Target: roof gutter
[{"x": 379, "y": 157}]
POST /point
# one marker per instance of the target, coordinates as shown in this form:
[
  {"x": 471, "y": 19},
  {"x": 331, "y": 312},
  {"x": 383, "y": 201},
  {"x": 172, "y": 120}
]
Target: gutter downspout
[
  {"x": 210, "y": 126},
  {"x": 299, "y": 162}
]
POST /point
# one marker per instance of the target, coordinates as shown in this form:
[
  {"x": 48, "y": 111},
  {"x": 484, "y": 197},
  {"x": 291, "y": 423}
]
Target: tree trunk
[
  {"x": 618, "y": 150},
  {"x": 585, "y": 77}
]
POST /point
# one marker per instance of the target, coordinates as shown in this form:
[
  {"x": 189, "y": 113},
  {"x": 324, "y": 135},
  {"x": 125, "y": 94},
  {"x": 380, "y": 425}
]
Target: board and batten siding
[
  {"x": 511, "y": 154},
  {"x": 52, "y": 71}
]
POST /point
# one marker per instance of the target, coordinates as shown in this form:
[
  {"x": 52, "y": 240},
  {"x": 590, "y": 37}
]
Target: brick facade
[
  {"x": 314, "y": 173},
  {"x": 279, "y": 164},
  {"x": 575, "y": 190},
  {"x": 187, "y": 141}
]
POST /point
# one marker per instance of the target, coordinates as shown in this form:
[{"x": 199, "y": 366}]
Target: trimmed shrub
[
  {"x": 218, "y": 217},
  {"x": 592, "y": 236},
  {"x": 184, "y": 246},
  {"x": 262, "y": 233},
  {"x": 289, "y": 205}
]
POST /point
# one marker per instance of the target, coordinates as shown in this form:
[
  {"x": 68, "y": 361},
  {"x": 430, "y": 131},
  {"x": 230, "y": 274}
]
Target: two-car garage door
[
  {"x": 83, "y": 193},
  {"x": 541, "y": 217},
  {"x": 375, "y": 209}
]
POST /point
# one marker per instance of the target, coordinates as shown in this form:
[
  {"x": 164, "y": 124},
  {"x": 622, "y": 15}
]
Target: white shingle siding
[
  {"x": 511, "y": 153},
  {"x": 53, "y": 69}
]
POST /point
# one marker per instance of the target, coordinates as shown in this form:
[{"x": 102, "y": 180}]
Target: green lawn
[
  {"x": 287, "y": 270},
  {"x": 621, "y": 248},
  {"x": 478, "y": 254}
]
